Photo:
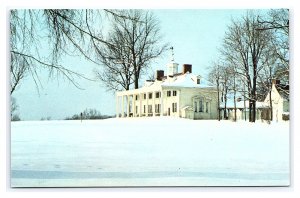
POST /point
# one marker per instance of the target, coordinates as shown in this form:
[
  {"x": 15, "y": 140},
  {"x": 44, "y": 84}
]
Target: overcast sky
[{"x": 194, "y": 34}]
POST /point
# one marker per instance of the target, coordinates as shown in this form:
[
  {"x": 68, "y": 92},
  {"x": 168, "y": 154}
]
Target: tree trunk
[
  {"x": 234, "y": 100},
  {"x": 218, "y": 89},
  {"x": 234, "y": 106},
  {"x": 254, "y": 90},
  {"x": 136, "y": 82},
  {"x": 254, "y": 111},
  {"x": 250, "y": 110},
  {"x": 225, "y": 104}
]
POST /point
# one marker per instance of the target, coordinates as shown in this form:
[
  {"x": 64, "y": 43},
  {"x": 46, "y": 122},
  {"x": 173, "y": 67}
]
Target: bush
[
  {"x": 88, "y": 114},
  {"x": 15, "y": 118},
  {"x": 285, "y": 116}
]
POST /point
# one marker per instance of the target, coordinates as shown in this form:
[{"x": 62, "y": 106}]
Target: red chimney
[
  {"x": 187, "y": 68},
  {"x": 275, "y": 81},
  {"x": 159, "y": 74}
]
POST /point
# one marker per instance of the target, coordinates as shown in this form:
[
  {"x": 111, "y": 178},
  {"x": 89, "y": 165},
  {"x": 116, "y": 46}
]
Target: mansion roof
[{"x": 186, "y": 80}]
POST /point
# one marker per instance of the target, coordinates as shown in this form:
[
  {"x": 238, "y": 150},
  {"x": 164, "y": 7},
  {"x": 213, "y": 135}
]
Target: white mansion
[{"x": 178, "y": 94}]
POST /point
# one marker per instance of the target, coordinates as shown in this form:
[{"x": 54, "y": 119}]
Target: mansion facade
[{"x": 178, "y": 94}]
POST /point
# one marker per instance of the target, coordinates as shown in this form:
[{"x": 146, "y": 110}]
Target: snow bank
[{"x": 149, "y": 151}]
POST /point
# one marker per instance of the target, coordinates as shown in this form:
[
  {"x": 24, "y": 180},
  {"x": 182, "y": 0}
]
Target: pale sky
[{"x": 195, "y": 35}]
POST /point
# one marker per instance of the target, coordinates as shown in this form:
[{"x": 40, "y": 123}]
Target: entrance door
[{"x": 169, "y": 111}]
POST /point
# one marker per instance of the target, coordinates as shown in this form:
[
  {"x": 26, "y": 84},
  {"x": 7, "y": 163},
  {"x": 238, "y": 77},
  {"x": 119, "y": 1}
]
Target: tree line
[
  {"x": 254, "y": 51},
  {"x": 88, "y": 114}
]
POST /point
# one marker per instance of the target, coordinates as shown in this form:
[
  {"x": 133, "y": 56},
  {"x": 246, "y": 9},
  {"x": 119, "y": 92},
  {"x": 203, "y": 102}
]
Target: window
[
  {"x": 149, "y": 108},
  {"x": 168, "y": 93},
  {"x": 157, "y": 95},
  {"x": 150, "y": 96},
  {"x": 174, "y": 93},
  {"x": 174, "y": 107},
  {"x": 144, "y": 108},
  {"x": 195, "y": 106},
  {"x": 201, "y": 106},
  {"x": 157, "y": 108},
  {"x": 206, "y": 107},
  {"x": 136, "y": 97},
  {"x": 198, "y": 81},
  {"x": 145, "y": 96}
]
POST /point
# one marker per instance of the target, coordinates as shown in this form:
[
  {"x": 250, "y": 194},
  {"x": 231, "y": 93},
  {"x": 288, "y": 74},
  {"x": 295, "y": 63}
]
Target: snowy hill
[{"x": 152, "y": 151}]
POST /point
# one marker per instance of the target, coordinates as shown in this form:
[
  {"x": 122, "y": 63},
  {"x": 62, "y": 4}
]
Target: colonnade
[
  {"x": 148, "y": 103},
  {"x": 139, "y": 104}
]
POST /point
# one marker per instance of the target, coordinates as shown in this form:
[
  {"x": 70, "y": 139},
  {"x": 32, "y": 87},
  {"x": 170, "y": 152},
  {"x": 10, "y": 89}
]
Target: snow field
[{"x": 149, "y": 151}]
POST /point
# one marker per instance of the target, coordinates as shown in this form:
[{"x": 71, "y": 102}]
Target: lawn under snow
[{"x": 149, "y": 152}]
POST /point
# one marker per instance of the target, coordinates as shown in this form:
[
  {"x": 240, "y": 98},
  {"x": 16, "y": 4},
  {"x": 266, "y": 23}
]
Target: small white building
[
  {"x": 242, "y": 109},
  {"x": 280, "y": 101},
  {"x": 178, "y": 94},
  {"x": 280, "y": 105}
]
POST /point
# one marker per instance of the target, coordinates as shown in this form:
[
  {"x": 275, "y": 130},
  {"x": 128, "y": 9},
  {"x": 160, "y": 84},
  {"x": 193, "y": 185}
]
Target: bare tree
[
  {"x": 133, "y": 43},
  {"x": 244, "y": 46},
  {"x": 65, "y": 33},
  {"x": 117, "y": 73},
  {"x": 277, "y": 67},
  {"x": 232, "y": 84},
  {"x": 225, "y": 83},
  {"x": 18, "y": 70},
  {"x": 277, "y": 22},
  {"x": 214, "y": 77}
]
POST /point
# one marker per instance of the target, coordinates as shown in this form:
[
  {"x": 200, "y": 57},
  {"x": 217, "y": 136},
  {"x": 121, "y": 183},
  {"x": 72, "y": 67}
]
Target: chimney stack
[
  {"x": 275, "y": 81},
  {"x": 187, "y": 68},
  {"x": 159, "y": 74}
]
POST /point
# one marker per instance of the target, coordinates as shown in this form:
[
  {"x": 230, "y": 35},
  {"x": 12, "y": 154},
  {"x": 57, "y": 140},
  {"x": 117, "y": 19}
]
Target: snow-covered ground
[{"x": 149, "y": 152}]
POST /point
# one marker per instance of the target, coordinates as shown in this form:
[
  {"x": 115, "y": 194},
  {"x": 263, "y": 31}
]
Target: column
[
  {"x": 147, "y": 96},
  {"x": 140, "y": 108},
  {"x": 128, "y": 96},
  {"x": 153, "y": 103},
  {"x": 122, "y": 106},
  {"x": 161, "y": 103},
  {"x": 117, "y": 107},
  {"x": 133, "y": 105},
  {"x": 178, "y": 104}
]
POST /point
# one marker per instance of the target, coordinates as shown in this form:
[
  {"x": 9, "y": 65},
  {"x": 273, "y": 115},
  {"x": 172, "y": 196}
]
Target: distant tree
[
  {"x": 45, "y": 118},
  {"x": 16, "y": 117},
  {"x": 88, "y": 114},
  {"x": 14, "y": 110},
  {"x": 91, "y": 114},
  {"x": 133, "y": 42}
]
